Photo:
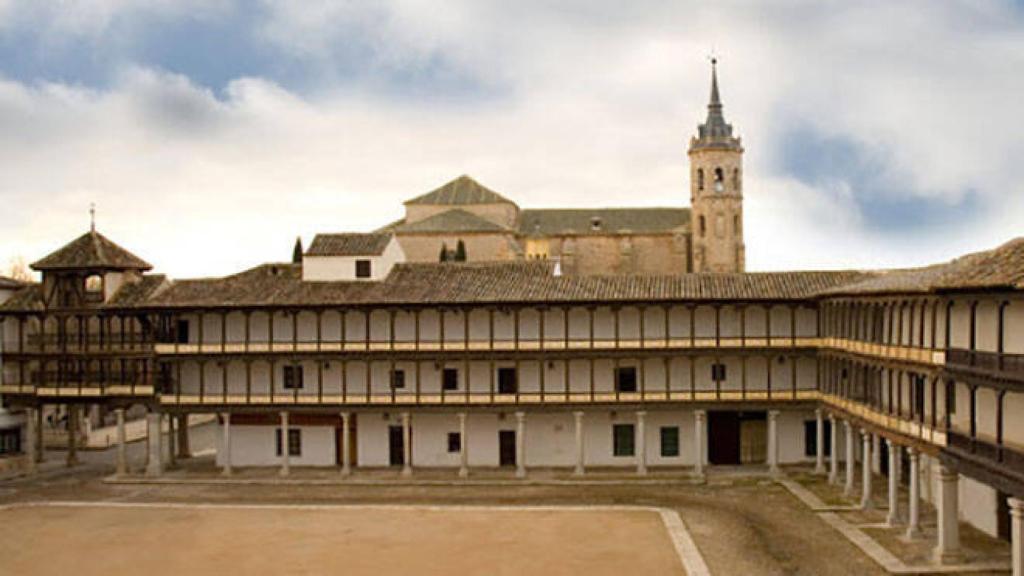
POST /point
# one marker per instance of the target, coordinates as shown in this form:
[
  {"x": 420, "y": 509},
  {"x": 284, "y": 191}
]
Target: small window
[
  {"x": 700, "y": 179},
  {"x": 669, "y": 441},
  {"x": 10, "y": 441},
  {"x": 736, "y": 179},
  {"x": 719, "y": 180},
  {"x": 294, "y": 441},
  {"x": 702, "y": 225},
  {"x": 623, "y": 440},
  {"x": 736, "y": 224},
  {"x": 507, "y": 381},
  {"x": 454, "y": 442},
  {"x": 362, "y": 268},
  {"x": 625, "y": 379},
  {"x": 181, "y": 332},
  {"x": 94, "y": 288},
  {"x": 595, "y": 223},
  {"x": 398, "y": 379},
  {"x": 718, "y": 372},
  {"x": 293, "y": 377},
  {"x": 450, "y": 379}
]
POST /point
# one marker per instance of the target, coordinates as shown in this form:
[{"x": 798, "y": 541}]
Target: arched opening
[
  {"x": 700, "y": 179},
  {"x": 736, "y": 179},
  {"x": 719, "y": 180},
  {"x": 94, "y": 288},
  {"x": 702, "y": 225}
]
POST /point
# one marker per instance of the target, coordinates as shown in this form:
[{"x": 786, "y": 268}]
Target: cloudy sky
[{"x": 211, "y": 133}]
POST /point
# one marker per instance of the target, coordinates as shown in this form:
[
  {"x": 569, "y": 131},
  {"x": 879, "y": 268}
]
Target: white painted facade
[{"x": 334, "y": 268}]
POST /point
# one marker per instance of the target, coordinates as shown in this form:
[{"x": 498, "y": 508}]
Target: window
[
  {"x": 294, "y": 441},
  {"x": 811, "y": 438},
  {"x": 450, "y": 379},
  {"x": 181, "y": 332},
  {"x": 10, "y": 441},
  {"x": 398, "y": 379},
  {"x": 702, "y": 225},
  {"x": 669, "y": 441},
  {"x": 736, "y": 224},
  {"x": 507, "y": 381},
  {"x": 718, "y": 372},
  {"x": 700, "y": 179},
  {"x": 292, "y": 377},
  {"x": 622, "y": 440},
  {"x": 454, "y": 442},
  {"x": 625, "y": 379},
  {"x": 736, "y": 179},
  {"x": 719, "y": 180},
  {"x": 362, "y": 268}
]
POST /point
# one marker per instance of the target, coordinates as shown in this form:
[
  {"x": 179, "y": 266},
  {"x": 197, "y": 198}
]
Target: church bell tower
[{"x": 716, "y": 191}]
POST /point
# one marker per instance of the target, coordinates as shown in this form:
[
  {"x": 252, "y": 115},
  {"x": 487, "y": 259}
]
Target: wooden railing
[
  {"x": 1005, "y": 366},
  {"x": 894, "y": 423}
]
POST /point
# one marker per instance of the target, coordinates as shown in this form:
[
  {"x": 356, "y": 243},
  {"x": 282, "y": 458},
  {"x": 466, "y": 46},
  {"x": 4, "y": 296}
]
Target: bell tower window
[
  {"x": 700, "y": 179},
  {"x": 736, "y": 179},
  {"x": 719, "y": 180},
  {"x": 702, "y": 226}
]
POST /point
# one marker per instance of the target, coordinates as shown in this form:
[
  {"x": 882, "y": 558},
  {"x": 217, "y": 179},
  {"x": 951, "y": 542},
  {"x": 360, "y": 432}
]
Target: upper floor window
[
  {"x": 450, "y": 379},
  {"x": 625, "y": 379},
  {"x": 94, "y": 288},
  {"x": 719, "y": 180},
  {"x": 736, "y": 179},
  {"x": 702, "y": 224},
  {"x": 700, "y": 179},
  {"x": 362, "y": 268},
  {"x": 181, "y": 332},
  {"x": 507, "y": 381},
  {"x": 292, "y": 377},
  {"x": 398, "y": 379}
]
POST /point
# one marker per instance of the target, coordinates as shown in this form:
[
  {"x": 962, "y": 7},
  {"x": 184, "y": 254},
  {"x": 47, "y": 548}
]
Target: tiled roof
[
  {"x": 30, "y": 298},
  {"x": 455, "y": 220},
  {"x": 91, "y": 250},
  {"x": 494, "y": 282},
  {"x": 999, "y": 268},
  {"x": 549, "y": 222},
  {"x": 372, "y": 244},
  {"x": 463, "y": 190},
  {"x": 10, "y": 283}
]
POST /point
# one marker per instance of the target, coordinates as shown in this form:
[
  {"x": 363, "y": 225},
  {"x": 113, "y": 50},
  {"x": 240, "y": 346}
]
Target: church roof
[
  {"x": 455, "y": 220},
  {"x": 461, "y": 191},
  {"x": 91, "y": 250},
  {"x": 557, "y": 221},
  {"x": 371, "y": 244}
]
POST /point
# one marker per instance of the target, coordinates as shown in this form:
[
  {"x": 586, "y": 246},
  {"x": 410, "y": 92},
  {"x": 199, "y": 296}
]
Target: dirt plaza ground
[{"x": 116, "y": 539}]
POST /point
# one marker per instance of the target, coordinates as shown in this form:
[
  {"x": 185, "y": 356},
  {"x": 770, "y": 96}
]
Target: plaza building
[{"x": 371, "y": 354}]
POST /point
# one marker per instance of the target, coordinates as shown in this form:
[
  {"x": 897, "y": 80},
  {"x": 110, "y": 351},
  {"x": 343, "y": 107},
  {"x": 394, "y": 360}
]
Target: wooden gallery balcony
[{"x": 998, "y": 366}]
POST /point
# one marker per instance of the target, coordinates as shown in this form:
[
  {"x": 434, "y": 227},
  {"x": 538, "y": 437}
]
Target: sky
[{"x": 210, "y": 134}]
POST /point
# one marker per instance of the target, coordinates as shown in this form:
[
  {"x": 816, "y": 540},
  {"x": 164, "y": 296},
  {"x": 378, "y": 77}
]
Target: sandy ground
[{"x": 106, "y": 541}]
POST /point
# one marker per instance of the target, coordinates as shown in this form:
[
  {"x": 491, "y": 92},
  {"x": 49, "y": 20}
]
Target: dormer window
[
  {"x": 595, "y": 223},
  {"x": 363, "y": 269},
  {"x": 94, "y": 288}
]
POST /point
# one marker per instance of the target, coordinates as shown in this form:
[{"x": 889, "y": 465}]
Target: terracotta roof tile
[
  {"x": 461, "y": 191},
  {"x": 372, "y": 244}
]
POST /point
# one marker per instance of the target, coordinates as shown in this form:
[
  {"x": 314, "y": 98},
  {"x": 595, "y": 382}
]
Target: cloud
[{"x": 863, "y": 149}]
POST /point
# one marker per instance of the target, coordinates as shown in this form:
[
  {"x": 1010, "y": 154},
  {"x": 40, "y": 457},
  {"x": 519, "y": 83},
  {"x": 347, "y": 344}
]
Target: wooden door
[
  {"x": 396, "y": 446},
  {"x": 723, "y": 438},
  {"x": 507, "y": 447}
]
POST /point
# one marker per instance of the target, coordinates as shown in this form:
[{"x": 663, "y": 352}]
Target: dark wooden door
[
  {"x": 723, "y": 438},
  {"x": 507, "y": 447},
  {"x": 396, "y": 446}
]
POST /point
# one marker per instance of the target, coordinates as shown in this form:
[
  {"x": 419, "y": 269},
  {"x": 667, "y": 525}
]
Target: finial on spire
[
  {"x": 715, "y": 98},
  {"x": 92, "y": 216}
]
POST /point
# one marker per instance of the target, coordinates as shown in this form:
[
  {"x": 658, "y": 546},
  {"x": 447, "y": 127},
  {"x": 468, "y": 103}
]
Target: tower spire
[
  {"x": 714, "y": 129},
  {"x": 716, "y": 101}
]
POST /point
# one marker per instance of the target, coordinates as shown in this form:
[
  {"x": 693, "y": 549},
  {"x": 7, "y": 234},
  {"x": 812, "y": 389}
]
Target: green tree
[
  {"x": 444, "y": 253},
  {"x": 297, "y": 251},
  {"x": 460, "y": 252}
]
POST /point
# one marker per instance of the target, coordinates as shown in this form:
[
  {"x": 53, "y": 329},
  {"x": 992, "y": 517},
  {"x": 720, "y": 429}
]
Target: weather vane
[
  {"x": 92, "y": 216},
  {"x": 713, "y": 56}
]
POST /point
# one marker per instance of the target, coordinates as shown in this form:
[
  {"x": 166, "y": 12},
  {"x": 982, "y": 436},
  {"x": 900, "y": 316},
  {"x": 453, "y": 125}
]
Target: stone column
[
  {"x": 520, "y": 444},
  {"x": 914, "y": 505},
  {"x": 894, "y": 483},
  {"x": 226, "y": 445},
  {"x": 641, "y": 443},
  {"x": 773, "y": 441},
  {"x": 833, "y": 463},
  {"x": 184, "y": 450},
  {"x": 30, "y": 440},
  {"x": 850, "y": 459},
  {"x": 463, "y": 447},
  {"x": 406, "y": 444},
  {"x": 698, "y": 442},
  {"x": 1017, "y": 535},
  {"x": 122, "y": 450},
  {"x": 947, "y": 546},
  {"x": 154, "y": 440},
  {"x": 286, "y": 461},
  {"x": 73, "y": 412},
  {"x": 876, "y": 453},
  {"x": 579, "y": 470},
  {"x": 40, "y": 448},
  {"x": 865, "y": 482},
  {"x": 819, "y": 445},
  {"x": 346, "y": 448}
]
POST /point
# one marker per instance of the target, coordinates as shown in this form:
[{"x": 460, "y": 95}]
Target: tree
[
  {"x": 444, "y": 253},
  {"x": 297, "y": 252},
  {"x": 18, "y": 270},
  {"x": 460, "y": 252}
]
